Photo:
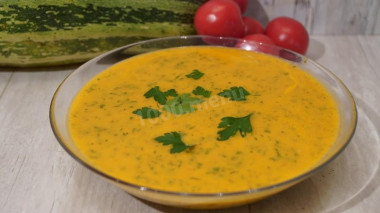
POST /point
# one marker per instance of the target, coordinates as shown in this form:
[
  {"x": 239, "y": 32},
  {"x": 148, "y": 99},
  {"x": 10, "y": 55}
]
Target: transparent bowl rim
[{"x": 220, "y": 194}]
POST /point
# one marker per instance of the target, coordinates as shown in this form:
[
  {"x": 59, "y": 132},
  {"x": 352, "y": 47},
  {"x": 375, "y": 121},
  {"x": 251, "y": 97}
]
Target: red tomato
[
  {"x": 288, "y": 33},
  {"x": 261, "y": 43},
  {"x": 252, "y": 26},
  {"x": 219, "y": 18},
  {"x": 243, "y": 4}
]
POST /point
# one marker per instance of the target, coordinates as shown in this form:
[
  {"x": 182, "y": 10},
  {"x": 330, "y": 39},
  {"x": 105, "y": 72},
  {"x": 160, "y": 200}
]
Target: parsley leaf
[
  {"x": 232, "y": 125},
  {"x": 174, "y": 139},
  {"x": 160, "y": 96},
  {"x": 196, "y": 74},
  {"x": 147, "y": 113},
  {"x": 202, "y": 91},
  {"x": 171, "y": 92},
  {"x": 235, "y": 93},
  {"x": 182, "y": 104}
]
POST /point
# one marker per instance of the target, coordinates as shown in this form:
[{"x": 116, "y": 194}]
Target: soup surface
[{"x": 203, "y": 120}]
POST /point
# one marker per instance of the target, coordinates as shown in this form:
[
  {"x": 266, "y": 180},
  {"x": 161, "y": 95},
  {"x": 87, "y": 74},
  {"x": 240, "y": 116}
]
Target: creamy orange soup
[{"x": 203, "y": 119}]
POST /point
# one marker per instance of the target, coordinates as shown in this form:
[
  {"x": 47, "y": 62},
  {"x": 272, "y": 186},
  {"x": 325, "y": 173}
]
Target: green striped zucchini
[{"x": 51, "y": 32}]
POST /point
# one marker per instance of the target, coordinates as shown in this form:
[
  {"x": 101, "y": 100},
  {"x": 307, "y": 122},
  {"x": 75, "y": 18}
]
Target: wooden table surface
[{"x": 37, "y": 175}]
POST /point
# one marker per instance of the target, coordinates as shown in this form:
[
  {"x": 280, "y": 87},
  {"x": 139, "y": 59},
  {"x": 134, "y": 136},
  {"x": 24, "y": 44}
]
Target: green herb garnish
[
  {"x": 235, "y": 93},
  {"x": 182, "y": 104},
  {"x": 232, "y": 125},
  {"x": 171, "y": 92},
  {"x": 147, "y": 113},
  {"x": 174, "y": 139},
  {"x": 202, "y": 91},
  {"x": 196, "y": 74},
  {"x": 160, "y": 96}
]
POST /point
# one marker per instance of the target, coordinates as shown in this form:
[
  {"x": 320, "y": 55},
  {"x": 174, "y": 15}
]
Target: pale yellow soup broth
[{"x": 294, "y": 120}]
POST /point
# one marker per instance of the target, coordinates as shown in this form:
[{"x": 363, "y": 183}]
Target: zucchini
[{"x": 51, "y": 32}]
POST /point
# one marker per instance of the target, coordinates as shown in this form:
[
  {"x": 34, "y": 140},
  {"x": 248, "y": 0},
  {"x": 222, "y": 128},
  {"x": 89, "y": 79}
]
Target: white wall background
[{"x": 322, "y": 17}]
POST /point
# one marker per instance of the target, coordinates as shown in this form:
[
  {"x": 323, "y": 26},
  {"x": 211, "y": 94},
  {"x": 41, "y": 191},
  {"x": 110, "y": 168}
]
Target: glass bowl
[{"x": 76, "y": 80}]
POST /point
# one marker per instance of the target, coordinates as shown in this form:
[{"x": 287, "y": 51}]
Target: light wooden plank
[
  {"x": 302, "y": 13},
  {"x": 4, "y": 79},
  {"x": 320, "y": 17},
  {"x": 275, "y": 8},
  {"x": 27, "y": 147},
  {"x": 341, "y": 17},
  {"x": 373, "y": 25},
  {"x": 376, "y": 30},
  {"x": 371, "y": 45}
]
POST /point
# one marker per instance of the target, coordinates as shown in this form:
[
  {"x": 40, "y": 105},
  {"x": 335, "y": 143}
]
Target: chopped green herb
[
  {"x": 182, "y": 104},
  {"x": 171, "y": 92},
  {"x": 232, "y": 125},
  {"x": 196, "y": 74},
  {"x": 147, "y": 113},
  {"x": 235, "y": 93},
  {"x": 202, "y": 91},
  {"x": 160, "y": 96},
  {"x": 174, "y": 139}
]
